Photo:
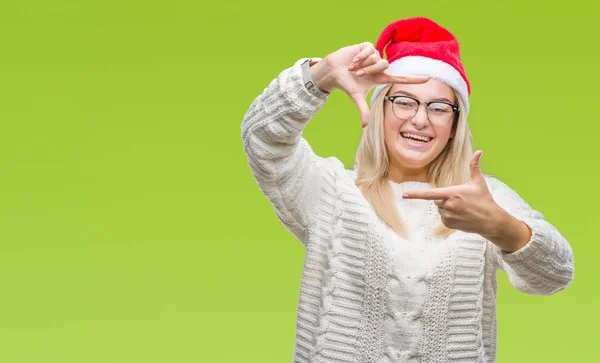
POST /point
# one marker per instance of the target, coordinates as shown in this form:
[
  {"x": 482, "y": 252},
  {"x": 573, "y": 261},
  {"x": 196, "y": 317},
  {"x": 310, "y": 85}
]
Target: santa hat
[{"x": 419, "y": 46}]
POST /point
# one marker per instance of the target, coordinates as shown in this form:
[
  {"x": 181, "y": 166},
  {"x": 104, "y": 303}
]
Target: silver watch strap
[{"x": 308, "y": 83}]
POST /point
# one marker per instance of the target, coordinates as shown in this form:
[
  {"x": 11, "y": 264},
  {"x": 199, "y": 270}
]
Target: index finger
[
  {"x": 430, "y": 194},
  {"x": 366, "y": 49},
  {"x": 390, "y": 78}
]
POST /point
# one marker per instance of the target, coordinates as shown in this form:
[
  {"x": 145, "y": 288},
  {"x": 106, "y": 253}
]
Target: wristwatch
[{"x": 308, "y": 83}]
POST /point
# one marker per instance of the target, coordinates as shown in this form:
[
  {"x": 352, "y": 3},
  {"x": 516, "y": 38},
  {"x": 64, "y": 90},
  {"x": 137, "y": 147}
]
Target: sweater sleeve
[
  {"x": 282, "y": 162},
  {"x": 545, "y": 265}
]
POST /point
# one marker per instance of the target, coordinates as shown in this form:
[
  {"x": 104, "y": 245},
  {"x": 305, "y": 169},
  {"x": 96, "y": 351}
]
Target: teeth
[{"x": 416, "y": 137}]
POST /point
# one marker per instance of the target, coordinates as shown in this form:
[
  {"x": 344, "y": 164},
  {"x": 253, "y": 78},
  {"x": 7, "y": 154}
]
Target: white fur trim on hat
[{"x": 423, "y": 66}]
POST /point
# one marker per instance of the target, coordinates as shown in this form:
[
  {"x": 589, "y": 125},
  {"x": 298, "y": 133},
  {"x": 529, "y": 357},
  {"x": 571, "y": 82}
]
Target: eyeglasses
[{"x": 405, "y": 108}]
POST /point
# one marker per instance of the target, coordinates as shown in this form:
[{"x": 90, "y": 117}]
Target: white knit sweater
[{"x": 366, "y": 294}]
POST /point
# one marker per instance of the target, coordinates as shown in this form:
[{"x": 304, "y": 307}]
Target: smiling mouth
[{"x": 416, "y": 138}]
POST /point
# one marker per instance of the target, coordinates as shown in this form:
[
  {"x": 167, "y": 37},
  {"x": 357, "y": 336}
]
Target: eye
[
  {"x": 405, "y": 102},
  {"x": 438, "y": 107}
]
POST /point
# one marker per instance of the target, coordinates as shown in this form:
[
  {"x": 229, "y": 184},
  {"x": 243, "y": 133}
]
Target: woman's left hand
[{"x": 468, "y": 207}]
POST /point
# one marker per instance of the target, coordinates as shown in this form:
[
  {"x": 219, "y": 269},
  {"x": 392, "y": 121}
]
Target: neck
[{"x": 400, "y": 175}]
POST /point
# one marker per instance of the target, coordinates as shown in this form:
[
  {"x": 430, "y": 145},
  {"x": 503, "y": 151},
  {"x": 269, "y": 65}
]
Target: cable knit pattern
[
  {"x": 366, "y": 294},
  {"x": 488, "y": 321},
  {"x": 435, "y": 325},
  {"x": 465, "y": 306},
  {"x": 545, "y": 265}
]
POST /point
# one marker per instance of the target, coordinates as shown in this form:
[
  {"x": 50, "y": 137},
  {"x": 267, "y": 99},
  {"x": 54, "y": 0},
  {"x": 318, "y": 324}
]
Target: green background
[{"x": 131, "y": 229}]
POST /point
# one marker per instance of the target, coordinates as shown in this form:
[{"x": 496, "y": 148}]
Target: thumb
[
  {"x": 475, "y": 166},
  {"x": 359, "y": 99}
]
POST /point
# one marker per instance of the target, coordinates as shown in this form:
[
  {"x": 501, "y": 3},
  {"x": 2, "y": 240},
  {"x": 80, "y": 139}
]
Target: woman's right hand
[{"x": 356, "y": 70}]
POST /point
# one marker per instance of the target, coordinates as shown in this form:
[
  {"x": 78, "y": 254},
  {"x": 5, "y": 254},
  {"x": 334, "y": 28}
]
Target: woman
[{"x": 402, "y": 251}]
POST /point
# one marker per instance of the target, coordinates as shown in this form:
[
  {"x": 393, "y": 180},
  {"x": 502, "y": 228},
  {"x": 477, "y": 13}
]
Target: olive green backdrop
[{"x": 131, "y": 229}]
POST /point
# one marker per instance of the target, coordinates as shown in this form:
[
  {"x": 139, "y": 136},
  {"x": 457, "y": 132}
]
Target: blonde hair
[{"x": 372, "y": 163}]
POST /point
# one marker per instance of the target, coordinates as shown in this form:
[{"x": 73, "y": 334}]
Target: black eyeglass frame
[{"x": 419, "y": 102}]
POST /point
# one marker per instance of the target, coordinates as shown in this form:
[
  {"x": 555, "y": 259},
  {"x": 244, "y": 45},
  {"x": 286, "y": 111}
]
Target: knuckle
[
  {"x": 455, "y": 198},
  {"x": 366, "y": 46},
  {"x": 382, "y": 65}
]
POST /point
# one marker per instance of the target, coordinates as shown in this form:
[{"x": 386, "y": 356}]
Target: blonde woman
[{"x": 402, "y": 250}]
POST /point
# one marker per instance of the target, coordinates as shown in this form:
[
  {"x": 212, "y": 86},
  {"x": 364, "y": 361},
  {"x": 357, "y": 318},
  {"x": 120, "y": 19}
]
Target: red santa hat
[{"x": 419, "y": 46}]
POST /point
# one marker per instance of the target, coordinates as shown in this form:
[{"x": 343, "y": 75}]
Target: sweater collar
[{"x": 400, "y": 188}]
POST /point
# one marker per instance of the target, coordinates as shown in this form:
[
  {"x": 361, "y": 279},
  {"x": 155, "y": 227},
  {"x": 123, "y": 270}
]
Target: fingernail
[
  {"x": 405, "y": 195},
  {"x": 351, "y": 67},
  {"x": 360, "y": 73},
  {"x": 355, "y": 60}
]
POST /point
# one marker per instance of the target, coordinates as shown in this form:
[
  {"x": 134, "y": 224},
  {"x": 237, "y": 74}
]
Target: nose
[{"x": 420, "y": 119}]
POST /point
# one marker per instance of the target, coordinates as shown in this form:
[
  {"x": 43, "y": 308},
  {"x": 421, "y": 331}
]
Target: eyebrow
[{"x": 444, "y": 99}]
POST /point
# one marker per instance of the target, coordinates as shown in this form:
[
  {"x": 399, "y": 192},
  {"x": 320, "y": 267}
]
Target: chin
[{"x": 415, "y": 158}]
